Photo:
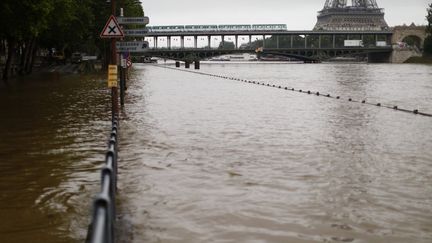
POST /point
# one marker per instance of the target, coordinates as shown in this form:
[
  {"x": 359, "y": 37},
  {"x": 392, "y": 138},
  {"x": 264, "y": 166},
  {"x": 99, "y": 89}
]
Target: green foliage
[
  {"x": 60, "y": 24},
  {"x": 227, "y": 45},
  {"x": 429, "y": 19},
  {"x": 25, "y": 18},
  {"x": 428, "y": 46}
]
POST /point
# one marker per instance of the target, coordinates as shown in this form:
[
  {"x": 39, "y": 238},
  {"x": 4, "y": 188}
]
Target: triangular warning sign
[{"x": 112, "y": 29}]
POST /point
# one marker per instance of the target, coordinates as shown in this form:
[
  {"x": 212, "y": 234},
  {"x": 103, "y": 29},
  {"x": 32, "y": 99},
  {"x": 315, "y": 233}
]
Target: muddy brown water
[{"x": 205, "y": 159}]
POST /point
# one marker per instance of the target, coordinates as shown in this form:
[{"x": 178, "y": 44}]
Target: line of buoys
[{"x": 394, "y": 107}]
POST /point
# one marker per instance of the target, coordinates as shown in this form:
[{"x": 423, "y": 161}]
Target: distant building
[{"x": 361, "y": 15}]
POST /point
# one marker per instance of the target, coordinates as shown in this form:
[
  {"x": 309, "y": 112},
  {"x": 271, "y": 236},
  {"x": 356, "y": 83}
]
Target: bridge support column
[
  {"x": 177, "y": 64},
  {"x": 169, "y": 42},
  {"x": 292, "y": 41},
  {"x": 209, "y": 41},
  {"x": 196, "y": 42},
  {"x": 223, "y": 41},
  {"x": 187, "y": 64},
  {"x": 334, "y": 41},
  {"x": 250, "y": 40},
  {"x": 277, "y": 41},
  {"x": 236, "y": 42},
  {"x": 263, "y": 41},
  {"x": 197, "y": 64},
  {"x": 182, "y": 42},
  {"x": 155, "y": 42}
]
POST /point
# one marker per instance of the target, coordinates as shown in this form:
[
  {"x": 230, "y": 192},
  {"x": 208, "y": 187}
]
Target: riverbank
[
  {"x": 69, "y": 68},
  {"x": 420, "y": 60}
]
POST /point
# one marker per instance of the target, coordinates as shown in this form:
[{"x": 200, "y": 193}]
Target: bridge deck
[{"x": 264, "y": 32}]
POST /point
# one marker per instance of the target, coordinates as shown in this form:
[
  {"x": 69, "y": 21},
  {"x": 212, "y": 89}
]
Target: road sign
[
  {"x": 133, "y": 20},
  {"x": 112, "y": 29},
  {"x": 136, "y": 32},
  {"x": 132, "y": 46},
  {"x": 112, "y": 76},
  {"x": 128, "y": 63}
]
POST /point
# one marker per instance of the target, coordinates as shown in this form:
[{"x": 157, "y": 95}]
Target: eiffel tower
[{"x": 360, "y": 15}]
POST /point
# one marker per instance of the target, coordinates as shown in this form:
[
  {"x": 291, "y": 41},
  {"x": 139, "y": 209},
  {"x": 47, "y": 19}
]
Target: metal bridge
[{"x": 304, "y": 45}]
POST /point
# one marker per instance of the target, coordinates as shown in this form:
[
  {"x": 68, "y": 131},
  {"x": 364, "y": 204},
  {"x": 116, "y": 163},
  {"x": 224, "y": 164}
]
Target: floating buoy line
[{"x": 266, "y": 84}]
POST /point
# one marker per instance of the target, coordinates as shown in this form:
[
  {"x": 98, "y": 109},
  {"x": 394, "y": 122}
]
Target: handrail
[{"x": 101, "y": 228}]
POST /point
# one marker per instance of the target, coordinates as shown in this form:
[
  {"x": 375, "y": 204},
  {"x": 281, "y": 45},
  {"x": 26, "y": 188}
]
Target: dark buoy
[
  {"x": 318, "y": 93},
  {"x": 416, "y": 111},
  {"x": 364, "y": 101},
  {"x": 338, "y": 97},
  {"x": 395, "y": 107},
  {"x": 379, "y": 104},
  {"x": 349, "y": 99}
]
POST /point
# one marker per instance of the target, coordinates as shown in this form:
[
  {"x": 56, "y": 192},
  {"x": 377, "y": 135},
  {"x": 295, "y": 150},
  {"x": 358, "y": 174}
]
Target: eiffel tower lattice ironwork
[
  {"x": 351, "y": 15},
  {"x": 354, "y": 3}
]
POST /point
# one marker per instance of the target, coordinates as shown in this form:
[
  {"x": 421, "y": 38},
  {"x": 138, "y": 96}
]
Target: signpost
[
  {"x": 127, "y": 47},
  {"x": 133, "y": 20},
  {"x": 136, "y": 32},
  {"x": 132, "y": 46}
]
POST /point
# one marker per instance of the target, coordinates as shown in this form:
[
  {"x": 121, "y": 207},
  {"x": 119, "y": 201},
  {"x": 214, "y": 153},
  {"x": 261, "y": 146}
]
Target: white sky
[{"x": 297, "y": 14}]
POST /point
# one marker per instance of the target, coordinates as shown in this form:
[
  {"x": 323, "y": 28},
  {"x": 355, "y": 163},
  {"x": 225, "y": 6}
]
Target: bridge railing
[{"x": 101, "y": 229}]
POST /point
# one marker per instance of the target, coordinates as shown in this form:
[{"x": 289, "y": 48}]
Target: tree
[
  {"x": 428, "y": 40},
  {"x": 66, "y": 25},
  {"x": 227, "y": 45},
  {"x": 429, "y": 19}
]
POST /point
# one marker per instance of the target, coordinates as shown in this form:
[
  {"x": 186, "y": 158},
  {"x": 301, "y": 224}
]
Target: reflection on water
[{"x": 211, "y": 160}]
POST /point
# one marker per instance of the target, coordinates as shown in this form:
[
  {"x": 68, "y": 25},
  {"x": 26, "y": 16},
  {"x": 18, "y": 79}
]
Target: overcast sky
[{"x": 297, "y": 14}]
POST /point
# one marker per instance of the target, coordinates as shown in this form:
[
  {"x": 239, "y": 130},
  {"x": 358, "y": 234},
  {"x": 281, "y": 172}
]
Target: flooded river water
[{"x": 205, "y": 159}]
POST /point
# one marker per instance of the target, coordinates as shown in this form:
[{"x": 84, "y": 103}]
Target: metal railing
[{"x": 101, "y": 229}]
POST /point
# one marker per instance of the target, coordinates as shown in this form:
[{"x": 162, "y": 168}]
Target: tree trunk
[
  {"x": 26, "y": 48},
  {"x": 28, "y": 56},
  {"x": 32, "y": 57},
  {"x": 9, "y": 60}
]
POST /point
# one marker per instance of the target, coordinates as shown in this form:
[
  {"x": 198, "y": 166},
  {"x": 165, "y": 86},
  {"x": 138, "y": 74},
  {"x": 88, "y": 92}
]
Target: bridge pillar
[
  {"x": 277, "y": 41},
  {"x": 334, "y": 41},
  {"x": 223, "y": 40},
  {"x": 169, "y": 42},
  {"x": 209, "y": 41},
  {"x": 292, "y": 41},
  {"x": 236, "y": 42},
  {"x": 187, "y": 64},
  {"x": 197, "y": 64},
  {"x": 155, "y": 42},
  {"x": 182, "y": 42},
  {"x": 263, "y": 41},
  {"x": 196, "y": 42},
  {"x": 177, "y": 64},
  {"x": 250, "y": 40}
]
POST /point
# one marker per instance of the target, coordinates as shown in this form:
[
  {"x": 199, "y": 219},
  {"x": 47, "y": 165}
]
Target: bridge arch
[
  {"x": 413, "y": 40},
  {"x": 412, "y": 35}
]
